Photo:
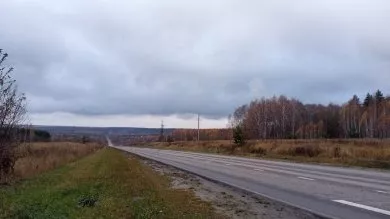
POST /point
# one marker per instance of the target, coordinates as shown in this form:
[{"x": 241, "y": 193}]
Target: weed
[{"x": 88, "y": 201}]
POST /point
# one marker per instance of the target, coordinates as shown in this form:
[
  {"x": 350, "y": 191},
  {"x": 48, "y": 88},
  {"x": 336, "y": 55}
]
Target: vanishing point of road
[{"x": 332, "y": 192}]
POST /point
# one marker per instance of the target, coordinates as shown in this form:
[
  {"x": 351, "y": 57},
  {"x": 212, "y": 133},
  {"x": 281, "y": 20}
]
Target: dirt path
[{"x": 226, "y": 200}]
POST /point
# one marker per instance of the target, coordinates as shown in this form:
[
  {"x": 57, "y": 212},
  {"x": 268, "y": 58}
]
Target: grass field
[
  {"x": 365, "y": 153},
  {"x": 40, "y": 157},
  {"x": 107, "y": 184}
]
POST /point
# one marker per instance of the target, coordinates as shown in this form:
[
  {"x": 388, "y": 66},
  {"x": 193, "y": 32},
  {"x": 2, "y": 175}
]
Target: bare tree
[{"x": 12, "y": 117}]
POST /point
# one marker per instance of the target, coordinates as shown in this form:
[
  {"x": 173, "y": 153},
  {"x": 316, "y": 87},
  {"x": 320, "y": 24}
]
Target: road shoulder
[{"x": 228, "y": 201}]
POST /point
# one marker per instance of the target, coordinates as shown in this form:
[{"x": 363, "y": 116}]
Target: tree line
[
  {"x": 288, "y": 118},
  {"x": 33, "y": 135},
  {"x": 204, "y": 134}
]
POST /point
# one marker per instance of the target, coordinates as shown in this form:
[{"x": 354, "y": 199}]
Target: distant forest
[
  {"x": 276, "y": 118},
  {"x": 288, "y": 118},
  {"x": 35, "y": 135},
  {"x": 26, "y": 135},
  {"x": 204, "y": 134}
]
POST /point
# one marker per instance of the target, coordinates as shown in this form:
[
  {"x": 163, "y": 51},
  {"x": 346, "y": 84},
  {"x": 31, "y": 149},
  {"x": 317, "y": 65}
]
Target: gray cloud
[{"x": 177, "y": 57}]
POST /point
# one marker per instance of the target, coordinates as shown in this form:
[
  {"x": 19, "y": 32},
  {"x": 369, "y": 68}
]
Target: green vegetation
[
  {"x": 238, "y": 136},
  {"x": 106, "y": 184}
]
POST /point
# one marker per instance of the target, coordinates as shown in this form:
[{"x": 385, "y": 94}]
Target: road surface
[{"x": 331, "y": 192}]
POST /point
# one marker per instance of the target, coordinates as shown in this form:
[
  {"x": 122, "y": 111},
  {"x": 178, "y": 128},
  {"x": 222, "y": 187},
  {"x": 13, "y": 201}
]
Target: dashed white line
[
  {"x": 227, "y": 164},
  {"x": 306, "y": 178},
  {"x": 384, "y": 192},
  {"x": 377, "y": 210},
  {"x": 259, "y": 170}
]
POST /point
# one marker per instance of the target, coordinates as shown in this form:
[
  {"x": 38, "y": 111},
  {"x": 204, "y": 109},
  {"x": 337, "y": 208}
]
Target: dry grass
[
  {"x": 41, "y": 157},
  {"x": 107, "y": 184},
  {"x": 362, "y": 152}
]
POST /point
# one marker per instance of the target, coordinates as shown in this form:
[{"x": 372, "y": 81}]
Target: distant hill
[{"x": 56, "y": 130}]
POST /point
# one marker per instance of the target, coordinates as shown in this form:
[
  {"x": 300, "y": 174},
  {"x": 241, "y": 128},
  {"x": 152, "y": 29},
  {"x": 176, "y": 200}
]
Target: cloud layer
[{"x": 150, "y": 57}]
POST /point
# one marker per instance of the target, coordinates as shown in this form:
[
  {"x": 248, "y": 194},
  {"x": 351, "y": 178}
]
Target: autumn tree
[
  {"x": 351, "y": 114},
  {"x": 282, "y": 117},
  {"x": 12, "y": 117}
]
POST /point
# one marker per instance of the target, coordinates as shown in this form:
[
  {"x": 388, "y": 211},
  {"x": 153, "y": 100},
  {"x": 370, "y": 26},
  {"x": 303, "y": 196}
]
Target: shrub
[
  {"x": 84, "y": 139},
  {"x": 307, "y": 151},
  {"x": 337, "y": 152},
  {"x": 257, "y": 150},
  {"x": 170, "y": 139}
]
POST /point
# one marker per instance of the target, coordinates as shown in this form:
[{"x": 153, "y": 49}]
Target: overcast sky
[{"x": 133, "y": 63}]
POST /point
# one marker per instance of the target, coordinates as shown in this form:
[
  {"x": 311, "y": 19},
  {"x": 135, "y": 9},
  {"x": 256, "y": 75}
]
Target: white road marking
[
  {"x": 227, "y": 164},
  {"x": 382, "y": 192},
  {"x": 259, "y": 170},
  {"x": 305, "y": 178},
  {"x": 377, "y": 210}
]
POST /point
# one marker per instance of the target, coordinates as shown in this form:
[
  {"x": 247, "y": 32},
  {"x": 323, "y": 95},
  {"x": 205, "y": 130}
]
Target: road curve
[{"x": 332, "y": 192}]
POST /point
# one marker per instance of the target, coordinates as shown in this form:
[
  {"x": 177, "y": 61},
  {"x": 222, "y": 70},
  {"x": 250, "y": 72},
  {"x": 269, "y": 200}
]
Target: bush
[
  {"x": 84, "y": 139},
  {"x": 170, "y": 139},
  {"x": 337, "y": 152},
  {"x": 257, "y": 150},
  {"x": 307, "y": 151}
]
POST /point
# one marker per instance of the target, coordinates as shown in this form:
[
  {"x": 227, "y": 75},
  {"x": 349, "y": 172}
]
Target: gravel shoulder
[{"x": 228, "y": 201}]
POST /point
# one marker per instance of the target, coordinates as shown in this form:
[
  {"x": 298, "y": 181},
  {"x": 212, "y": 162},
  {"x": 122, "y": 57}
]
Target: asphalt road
[{"x": 333, "y": 192}]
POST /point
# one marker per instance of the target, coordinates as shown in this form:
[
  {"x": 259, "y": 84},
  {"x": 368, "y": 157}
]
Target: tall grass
[
  {"x": 40, "y": 157},
  {"x": 359, "y": 152}
]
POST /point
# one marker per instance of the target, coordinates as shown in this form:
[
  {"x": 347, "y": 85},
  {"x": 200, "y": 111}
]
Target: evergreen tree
[
  {"x": 379, "y": 97},
  {"x": 355, "y": 100},
  {"x": 238, "y": 136},
  {"x": 367, "y": 100}
]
